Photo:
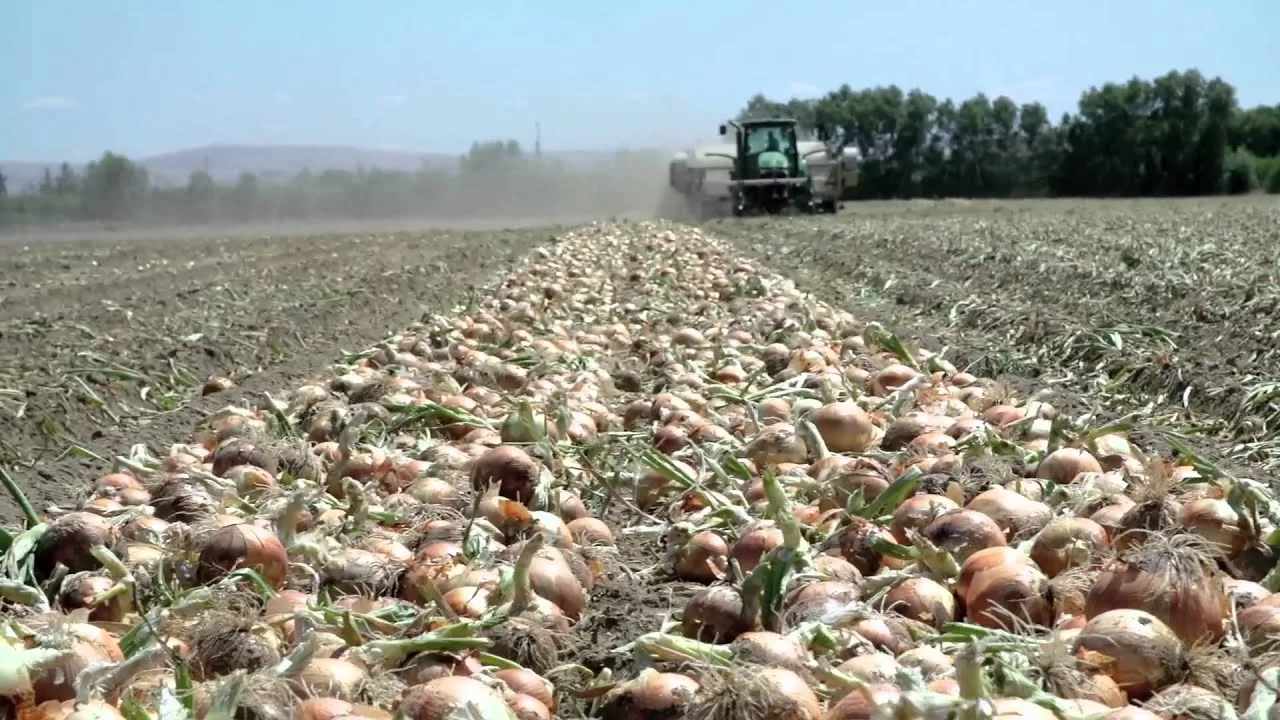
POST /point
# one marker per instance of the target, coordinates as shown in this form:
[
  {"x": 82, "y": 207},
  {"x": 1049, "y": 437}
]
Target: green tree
[
  {"x": 4, "y": 186},
  {"x": 245, "y": 197},
  {"x": 46, "y": 183},
  {"x": 114, "y": 188},
  {"x": 201, "y": 201},
  {"x": 67, "y": 182}
]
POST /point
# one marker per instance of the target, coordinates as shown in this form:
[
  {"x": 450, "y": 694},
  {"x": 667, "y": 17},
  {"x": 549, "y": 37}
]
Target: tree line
[
  {"x": 1174, "y": 135},
  {"x": 493, "y": 179},
  {"x": 1177, "y": 134}
]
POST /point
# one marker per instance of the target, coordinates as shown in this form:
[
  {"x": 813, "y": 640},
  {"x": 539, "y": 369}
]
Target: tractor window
[{"x": 779, "y": 139}]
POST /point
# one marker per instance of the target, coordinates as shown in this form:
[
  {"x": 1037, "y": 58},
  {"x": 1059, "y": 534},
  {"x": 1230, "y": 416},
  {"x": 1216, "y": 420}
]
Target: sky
[{"x": 144, "y": 77}]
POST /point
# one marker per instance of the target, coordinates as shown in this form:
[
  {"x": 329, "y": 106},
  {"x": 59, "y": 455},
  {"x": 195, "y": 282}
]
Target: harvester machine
[{"x": 763, "y": 167}]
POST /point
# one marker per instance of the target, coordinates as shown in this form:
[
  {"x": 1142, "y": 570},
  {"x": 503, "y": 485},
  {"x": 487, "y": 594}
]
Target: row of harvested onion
[{"x": 869, "y": 532}]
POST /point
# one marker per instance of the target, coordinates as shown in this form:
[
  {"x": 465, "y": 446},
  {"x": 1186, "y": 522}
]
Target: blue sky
[{"x": 148, "y": 76}]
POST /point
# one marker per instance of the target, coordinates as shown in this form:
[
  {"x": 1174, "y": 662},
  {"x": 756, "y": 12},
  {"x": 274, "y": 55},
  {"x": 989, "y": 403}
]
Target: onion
[
  {"x": 922, "y": 599},
  {"x": 1171, "y": 578},
  {"x": 1064, "y": 464},
  {"x": 1068, "y": 542},
  {"x": 964, "y": 532},
  {"x": 1016, "y": 515},
  {"x": 516, "y": 473},
  {"x": 755, "y": 541},
  {"x": 448, "y": 697},
  {"x": 650, "y": 696},
  {"x": 328, "y": 708},
  {"x": 716, "y": 614},
  {"x": 915, "y": 513},
  {"x": 243, "y": 546},
  {"x": 66, "y": 541},
  {"x": 528, "y": 682},
  {"x": 1216, "y": 521},
  {"x": 844, "y": 427},
  {"x": 816, "y": 600},
  {"x": 776, "y": 444},
  {"x": 1133, "y": 647},
  {"x": 874, "y": 667},
  {"x": 704, "y": 558},
  {"x": 1005, "y": 595},
  {"x": 862, "y": 704}
]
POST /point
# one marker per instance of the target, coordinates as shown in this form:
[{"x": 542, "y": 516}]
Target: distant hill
[{"x": 275, "y": 163}]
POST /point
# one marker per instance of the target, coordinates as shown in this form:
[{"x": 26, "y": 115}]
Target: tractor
[{"x": 766, "y": 169}]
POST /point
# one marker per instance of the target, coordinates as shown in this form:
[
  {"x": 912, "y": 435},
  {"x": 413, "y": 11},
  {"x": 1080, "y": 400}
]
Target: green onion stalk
[{"x": 460, "y": 637}]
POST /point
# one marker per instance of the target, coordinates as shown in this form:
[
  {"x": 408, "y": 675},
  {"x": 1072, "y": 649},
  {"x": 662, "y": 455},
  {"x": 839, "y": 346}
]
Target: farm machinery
[{"x": 761, "y": 167}]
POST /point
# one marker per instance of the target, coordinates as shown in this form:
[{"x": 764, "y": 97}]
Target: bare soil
[
  {"x": 106, "y": 341},
  {"x": 1168, "y": 305}
]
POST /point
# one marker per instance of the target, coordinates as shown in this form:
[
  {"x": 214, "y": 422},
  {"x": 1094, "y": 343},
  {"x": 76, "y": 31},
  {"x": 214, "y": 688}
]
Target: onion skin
[
  {"x": 67, "y": 540},
  {"x": 715, "y": 614},
  {"x": 964, "y": 532},
  {"x": 651, "y": 696},
  {"x": 1064, "y": 464},
  {"x": 441, "y": 698},
  {"x": 862, "y": 704},
  {"x": 515, "y": 472},
  {"x": 704, "y": 558},
  {"x": 243, "y": 546},
  {"x": 985, "y": 560},
  {"x": 844, "y": 427},
  {"x": 922, "y": 599},
  {"x": 915, "y": 513},
  {"x": 1005, "y": 592},
  {"x": 1068, "y": 542},
  {"x": 1139, "y": 651},
  {"x": 1014, "y": 513},
  {"x": 1195, "y": 608}
]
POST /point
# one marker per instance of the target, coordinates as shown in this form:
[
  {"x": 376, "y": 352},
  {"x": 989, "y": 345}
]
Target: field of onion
[{"x": 646, "y": 477}]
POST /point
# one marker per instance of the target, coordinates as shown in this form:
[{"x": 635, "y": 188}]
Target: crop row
[{"x": 810, "y": 518}]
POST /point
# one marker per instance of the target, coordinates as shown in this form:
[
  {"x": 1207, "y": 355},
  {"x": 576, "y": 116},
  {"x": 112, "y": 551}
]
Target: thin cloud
[
  {"x": 803, "y": 90},
  {"x": 393, "y": 99},
  {"x": 50, "y": 102}
]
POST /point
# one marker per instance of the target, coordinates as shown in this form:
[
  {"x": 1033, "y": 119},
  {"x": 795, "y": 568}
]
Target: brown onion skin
[
  {"x": 844, "y": 427},
  {"x": 88, "y": 644},
  {"x": 1064, "y": 464},
  {"x": 964, "y": 532},
  {"x": 66, "y": 541},
  {"x": 327, "y": 708},
  {"x": 243, "y": 546},
  {"x": 861, "y": 705},
  {"x": 1057, "y": 547},
  {"x": 715, "y": 614},
  {"x": 922, "y": 599},
  {"x": 1017, "y": 515},
  {"x": 528, "y": 682},
  {"x": 1195, "y": 608},
  {"x": 651, "y": 696},
  {"x": 915, "y": 513},
  {"x": 590, "y": 531},
  {"x": 812, "y": 601},
  {"x": 704, "y": 558},
  {"x": 985, "y": 560},
  {"x": 515, "y": 472},
  {"x": 1006, "y": 592},
  {"x": 1141, "y": 653},
  {"x": 754, "y": 543},
  {"x": 438, "y": 699}
]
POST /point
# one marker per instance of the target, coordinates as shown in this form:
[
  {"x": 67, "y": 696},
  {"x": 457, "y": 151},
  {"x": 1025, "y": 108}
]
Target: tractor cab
[{"x": 767, "y": 149}]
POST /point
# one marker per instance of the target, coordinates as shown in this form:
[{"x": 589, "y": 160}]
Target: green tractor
[
  {"x": 770, "y": 172},
  {"x": 764, "y": 168}
]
